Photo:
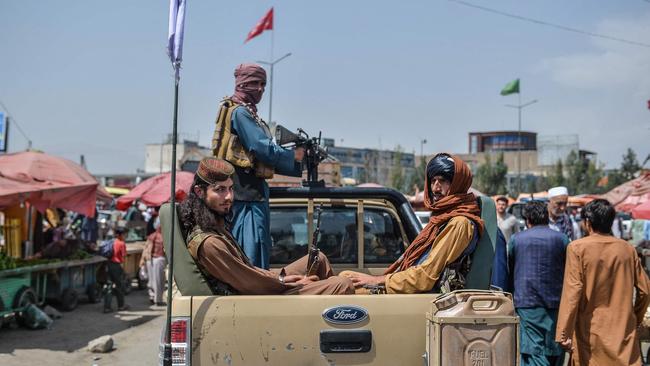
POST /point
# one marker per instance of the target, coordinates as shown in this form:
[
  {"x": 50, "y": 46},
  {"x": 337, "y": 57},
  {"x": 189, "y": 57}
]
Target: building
[
  {"x": 158, "y": 156},
  {"x": 502, "y": 141},
  {"x": 371, "y": 165},
  {"x": 524, "y": 153}
]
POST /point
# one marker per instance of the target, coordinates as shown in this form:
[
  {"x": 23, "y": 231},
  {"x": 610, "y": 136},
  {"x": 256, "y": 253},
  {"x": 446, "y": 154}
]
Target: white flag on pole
[{"x": 175, "y": 35}]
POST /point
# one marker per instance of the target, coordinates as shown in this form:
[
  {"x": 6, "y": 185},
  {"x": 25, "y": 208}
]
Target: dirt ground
[{"x": 136, "y": 333}]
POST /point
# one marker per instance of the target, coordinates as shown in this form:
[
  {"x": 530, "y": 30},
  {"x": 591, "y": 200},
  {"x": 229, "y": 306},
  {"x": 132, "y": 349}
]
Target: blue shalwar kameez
[{"x": 251, "y": 220}]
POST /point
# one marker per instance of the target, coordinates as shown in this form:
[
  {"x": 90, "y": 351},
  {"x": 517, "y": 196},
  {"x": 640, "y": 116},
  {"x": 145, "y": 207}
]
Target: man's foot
[
  {"x": 123, "y": 307},
  {"x": 161, "y": 304},
  {"x": 151, "y": 301},
  {"x": 109, "y": 310}
]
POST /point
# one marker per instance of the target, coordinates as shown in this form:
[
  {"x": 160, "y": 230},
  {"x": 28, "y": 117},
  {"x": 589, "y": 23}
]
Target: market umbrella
[
  {"x": 642, "y": 212},
  {"x": 157, "y": 190},
  {"x": 46, "y": 181}
]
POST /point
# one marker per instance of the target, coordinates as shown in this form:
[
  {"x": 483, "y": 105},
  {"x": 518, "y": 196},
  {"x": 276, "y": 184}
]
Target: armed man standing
[{"x": 244, "y": 139}]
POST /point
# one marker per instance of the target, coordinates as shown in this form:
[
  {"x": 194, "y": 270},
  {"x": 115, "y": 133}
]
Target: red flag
[{"x": 266, "y": 23}]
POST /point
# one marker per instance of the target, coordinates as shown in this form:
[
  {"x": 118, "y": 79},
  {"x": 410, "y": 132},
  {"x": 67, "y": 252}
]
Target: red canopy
[
  {"x": 642, "y": 211},
  {"x": 157, "y": 190},
  {"x": 46, "y": 181}
]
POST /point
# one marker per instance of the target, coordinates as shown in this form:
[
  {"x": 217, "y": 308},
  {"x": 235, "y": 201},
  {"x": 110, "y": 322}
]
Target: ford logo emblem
[{"x": 345, "y": 314}]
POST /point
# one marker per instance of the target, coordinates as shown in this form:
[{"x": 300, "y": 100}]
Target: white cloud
[{"x": 613, "y": 64}]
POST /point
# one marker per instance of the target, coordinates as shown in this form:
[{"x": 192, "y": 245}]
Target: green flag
[{"x": 511, "y": 88}]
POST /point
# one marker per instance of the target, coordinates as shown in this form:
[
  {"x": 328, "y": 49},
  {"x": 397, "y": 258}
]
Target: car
[{"x": 365, "y": 229}]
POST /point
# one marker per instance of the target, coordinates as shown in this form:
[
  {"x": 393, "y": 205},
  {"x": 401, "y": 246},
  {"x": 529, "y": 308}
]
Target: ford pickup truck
[{"x": 361, "y": 229}]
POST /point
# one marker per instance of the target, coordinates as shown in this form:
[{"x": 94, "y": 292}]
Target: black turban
[{"x": 442, "y": 165}]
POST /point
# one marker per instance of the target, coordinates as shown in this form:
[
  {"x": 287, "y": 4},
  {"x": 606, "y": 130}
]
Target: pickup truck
[{"x": 361, "y": 229}]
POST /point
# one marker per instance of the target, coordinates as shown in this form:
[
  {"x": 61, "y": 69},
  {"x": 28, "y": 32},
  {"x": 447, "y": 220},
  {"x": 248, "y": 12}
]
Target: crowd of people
[{"x": 576, "y": 288}]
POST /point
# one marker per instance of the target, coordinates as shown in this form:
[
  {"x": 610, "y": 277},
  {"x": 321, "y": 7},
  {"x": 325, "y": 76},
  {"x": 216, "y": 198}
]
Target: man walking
[
  {"x": 605, "y": 294},
  {"x": 155, "y": 262},
  {"x": 116, "y": 273},
  {"x": 537, "y": 256},
  {"x": 244, "y": 139},
  {"x": 507, "y": 222},
  {"x": 218, "y": 255},
  {"x": 559, "y": 220},
  {"x": 438, "y": 260}
]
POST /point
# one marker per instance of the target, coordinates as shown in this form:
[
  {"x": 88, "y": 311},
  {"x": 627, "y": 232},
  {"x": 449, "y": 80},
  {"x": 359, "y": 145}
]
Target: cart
[{"x": 61, "y": 281}]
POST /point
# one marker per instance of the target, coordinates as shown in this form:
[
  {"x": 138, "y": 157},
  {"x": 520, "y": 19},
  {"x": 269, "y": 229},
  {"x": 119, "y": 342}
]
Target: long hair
[{"x": 194, "y": 212}]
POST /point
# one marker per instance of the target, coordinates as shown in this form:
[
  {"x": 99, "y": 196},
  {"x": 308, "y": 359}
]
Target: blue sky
[{"x": 92, "y": 78}]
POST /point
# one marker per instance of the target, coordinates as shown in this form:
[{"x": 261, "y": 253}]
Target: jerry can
[{"x": 472, "y": 328}]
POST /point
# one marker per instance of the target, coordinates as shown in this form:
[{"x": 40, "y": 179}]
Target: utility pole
[
  {"x": 519, "y": 107},
  {"x": 271, "y": 64}
]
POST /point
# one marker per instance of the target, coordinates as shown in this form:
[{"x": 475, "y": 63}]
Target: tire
[
  {"x": 24, "y": 297},
  {"x": 69, "y": 299},
  {"x": 94, "y": 293}
]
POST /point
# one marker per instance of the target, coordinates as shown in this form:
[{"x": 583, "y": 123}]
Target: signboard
[{"x": 3, "y": 132}]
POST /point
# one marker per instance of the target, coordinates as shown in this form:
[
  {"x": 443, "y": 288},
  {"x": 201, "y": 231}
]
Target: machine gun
[
  {"x": 312, "y": 259},
  {"x": 314, "y": 152}
]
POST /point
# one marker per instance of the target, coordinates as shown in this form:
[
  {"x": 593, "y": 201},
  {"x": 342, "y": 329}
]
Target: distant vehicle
[{"x": 516, "y": 209}]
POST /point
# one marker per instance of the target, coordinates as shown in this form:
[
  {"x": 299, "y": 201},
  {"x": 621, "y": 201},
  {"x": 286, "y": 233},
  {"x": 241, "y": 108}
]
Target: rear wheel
[
  {"x": 69, "y": 299},
  {"x": 23, "y": 298}
]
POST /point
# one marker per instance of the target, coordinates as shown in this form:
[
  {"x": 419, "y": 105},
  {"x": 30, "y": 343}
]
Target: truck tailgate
[{"x": 286, "y": 330}]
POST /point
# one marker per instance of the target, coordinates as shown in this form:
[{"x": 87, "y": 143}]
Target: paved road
[{"x": 136, "y": 333}]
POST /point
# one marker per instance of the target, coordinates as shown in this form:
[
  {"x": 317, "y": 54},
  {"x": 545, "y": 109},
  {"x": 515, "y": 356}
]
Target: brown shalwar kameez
[
  {"x": 598, "y": 308},
  {"x": 222, "y": 258}
]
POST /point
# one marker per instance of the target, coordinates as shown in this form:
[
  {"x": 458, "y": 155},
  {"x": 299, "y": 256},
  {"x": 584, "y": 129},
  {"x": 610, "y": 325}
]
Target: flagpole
[
  {"x": 175, "y": 51},
  {"x": 271, "y": 64},
  {"x": 170, "y": 273},
  {"x": 519, "y": 107}
]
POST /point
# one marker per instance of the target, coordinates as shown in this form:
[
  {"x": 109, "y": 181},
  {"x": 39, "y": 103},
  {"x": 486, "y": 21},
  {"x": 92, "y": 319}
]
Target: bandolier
[
  {"x": 196, "y": 238},
  {"x": 226, "y": 144}
]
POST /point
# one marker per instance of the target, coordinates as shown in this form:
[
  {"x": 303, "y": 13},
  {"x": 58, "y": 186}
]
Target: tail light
[{"x": 181, "y": 338}]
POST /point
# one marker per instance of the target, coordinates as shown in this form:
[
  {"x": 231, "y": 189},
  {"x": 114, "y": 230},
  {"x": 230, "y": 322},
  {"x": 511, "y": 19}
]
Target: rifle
[
  {"x": 314, "y": 153},
  {"x": 312, "y": 259}
]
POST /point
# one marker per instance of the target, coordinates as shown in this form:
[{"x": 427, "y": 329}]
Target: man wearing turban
[
  {"x": 242, "y": 138},
  {"x": 442, "y": 249}
]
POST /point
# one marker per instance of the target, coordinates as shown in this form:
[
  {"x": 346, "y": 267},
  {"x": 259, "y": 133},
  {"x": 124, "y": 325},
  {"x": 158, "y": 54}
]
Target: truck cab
[{"x": 361, "y": 229}]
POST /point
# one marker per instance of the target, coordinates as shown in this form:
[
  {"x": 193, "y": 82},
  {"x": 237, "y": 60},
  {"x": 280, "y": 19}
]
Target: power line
[
  {"x": 13, "y": 119},
  {"x": 558, "y": 26}
]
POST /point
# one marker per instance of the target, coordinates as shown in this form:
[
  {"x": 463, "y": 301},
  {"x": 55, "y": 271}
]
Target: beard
[{"x": 195, "y": 212}]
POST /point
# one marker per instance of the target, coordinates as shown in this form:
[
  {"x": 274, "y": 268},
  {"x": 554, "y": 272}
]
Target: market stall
[{"x": 31, "y": 183}]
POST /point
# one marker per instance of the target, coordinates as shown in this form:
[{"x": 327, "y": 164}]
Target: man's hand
[
  {"x": 567, "y": 344},
  {"x": 299, "y": 153},
  {"x": 299, "y": 280},
  {"x": 361, "y": 279}
]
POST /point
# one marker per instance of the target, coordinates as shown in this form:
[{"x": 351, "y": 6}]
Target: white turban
[{"x": 558, "y": 191}]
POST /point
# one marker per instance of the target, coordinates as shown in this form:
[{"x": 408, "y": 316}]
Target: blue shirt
[
  {"x": 537, "y": 256},
  {"x": 248, "y": 187}
]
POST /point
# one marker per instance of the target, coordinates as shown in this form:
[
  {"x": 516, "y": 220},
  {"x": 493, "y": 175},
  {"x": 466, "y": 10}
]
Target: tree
[
  {"x": 491, "y": 178},
  {"x": 416, "y": 179},
  {"x": 630, "y": 165},
  {"x": 557, "y": 178},
  {"x": 582, "y": 175}
]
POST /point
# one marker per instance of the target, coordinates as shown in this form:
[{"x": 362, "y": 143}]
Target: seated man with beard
[
  {"x": 438, "y": 260},
  {"x": 221, "y": 259}
]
